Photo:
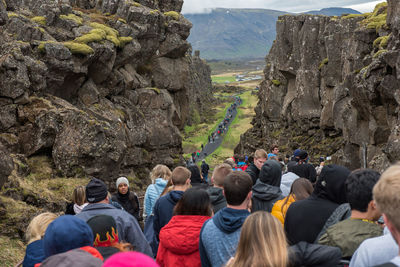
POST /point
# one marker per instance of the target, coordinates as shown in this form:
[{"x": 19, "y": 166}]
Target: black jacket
[
  {"x": 305, "y": 254},
  {"x": 254, "y": 172},
  {"x": 305, "y": 170},
  {"x": 217, "y": 198},
  {"x": 129, "y": 202},
  {"x": 204, "y": 168},
  {"x": 305, "y": 218}
]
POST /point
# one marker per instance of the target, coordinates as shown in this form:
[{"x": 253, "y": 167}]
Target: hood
[
  {"x": 65, "y": 233},
  {"x": 181, "y": 234},
  {"x": 160, "y": 183},
  {"x": 229, "y": 220},
  {"x": 271, "y": 173},
  {"x": 331, "y": 184},
  {"x": 174, "y": 196},
  {"x": 302, "y": 170},
  {"x": 265, "y": 191},
  {"x": 215, "y": 194}
]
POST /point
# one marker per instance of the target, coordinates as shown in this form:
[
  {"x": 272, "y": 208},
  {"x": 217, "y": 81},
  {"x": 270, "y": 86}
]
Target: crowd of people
[{"x": 265, "y": 212}]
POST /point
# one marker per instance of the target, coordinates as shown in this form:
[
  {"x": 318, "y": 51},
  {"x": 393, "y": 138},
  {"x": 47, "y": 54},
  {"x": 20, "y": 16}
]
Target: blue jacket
[
  {"x": 34, "y": 254},
  {"x": 220, "y": 235},
  {"x": 153, "y": 192},
  {"x": 128, "y": 227},
  {"x": 163, "y": 210}
]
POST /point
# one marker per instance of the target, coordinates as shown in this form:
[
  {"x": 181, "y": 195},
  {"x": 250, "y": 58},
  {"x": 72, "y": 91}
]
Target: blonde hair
[
  {"x": 260, "y": 154},
  {"x": 220, "y": 172},
  {"x": 262, "y": 243},
  {"x": 160, "y": 171},
  {"x": 79, "y": 195},
  {"x": 386, "y": 194},
  {"x": 37, "y": 227}
]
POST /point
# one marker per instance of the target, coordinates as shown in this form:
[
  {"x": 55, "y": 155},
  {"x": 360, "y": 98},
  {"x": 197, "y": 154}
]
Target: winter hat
[
  {"x": 297, "y": 152},
  {"x": 104, "y": 230},
  {"x": 76, "y": 258},
  {"x": 122, "y": 180},
  {"x": 65, "y": 233},
  {"x": 302, "y": 154},
  {"x": 96, "y": 191},
  {"x": 130, "y": 259}
]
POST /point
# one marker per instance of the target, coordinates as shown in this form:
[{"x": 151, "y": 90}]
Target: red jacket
[{"x": 179, "y": 241}]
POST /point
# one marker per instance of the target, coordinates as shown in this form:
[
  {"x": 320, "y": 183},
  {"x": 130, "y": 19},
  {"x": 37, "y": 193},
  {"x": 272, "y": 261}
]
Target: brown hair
[
  {"x": 194, "y": 201},
  {"x": 386, "y": 194},
  {"x": 262, "y": 243},
  {"x": 237, "y": 186},
  {"x": 180, "y": 175},
  {"x": 273, "y": 147},
  {"x": 260, "y": 154},
  {"x": 79, "y": 195},
  {"x": 220, "y": 172},
  {"x": 301, "y": 189}
]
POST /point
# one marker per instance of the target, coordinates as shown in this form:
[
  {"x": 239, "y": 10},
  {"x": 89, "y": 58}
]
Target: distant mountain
[
  {"x": 233, "y": 33},
  {"x": 240, "y": 33},
  {"x": 333, "y": 11}
]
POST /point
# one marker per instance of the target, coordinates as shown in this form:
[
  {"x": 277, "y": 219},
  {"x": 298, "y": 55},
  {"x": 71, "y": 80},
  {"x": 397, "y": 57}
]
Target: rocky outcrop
[
  {"x": 101, "y": 87},
  {"x": 331, "y": 86}
]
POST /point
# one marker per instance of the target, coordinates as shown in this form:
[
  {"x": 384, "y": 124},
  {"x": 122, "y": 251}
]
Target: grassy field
[
  {"x": 12, "y": 251},
  {"x": 223, "y": 79}
]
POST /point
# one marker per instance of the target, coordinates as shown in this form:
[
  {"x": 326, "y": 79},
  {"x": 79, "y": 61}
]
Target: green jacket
[{"x": 348, "y": 235}]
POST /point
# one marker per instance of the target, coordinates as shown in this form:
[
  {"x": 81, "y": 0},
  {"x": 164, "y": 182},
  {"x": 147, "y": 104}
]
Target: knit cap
[
  {"x": 122, "y": 180},
  {"x": 104, "y": 230},
  {"x": 96, "y": 191},
  {"x": 130, "y": 259}
]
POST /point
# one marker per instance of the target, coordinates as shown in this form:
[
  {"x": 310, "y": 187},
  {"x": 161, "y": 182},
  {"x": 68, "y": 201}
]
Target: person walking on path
[{"x": 204, "y": 170}]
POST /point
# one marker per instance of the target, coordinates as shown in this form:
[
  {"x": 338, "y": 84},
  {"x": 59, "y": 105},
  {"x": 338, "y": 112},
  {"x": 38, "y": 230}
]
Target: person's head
[
  {"x": 331, "y": 184},
  {"x": 37, "y": 227},
  {"x": 359, "y": 187},
  {"x": 262, "y": 242},
  {"x": 195, "y": 176},
  {"x": 301, "y": 188},
  {"x": 122, "y": 184},
  {"x": 194, "y": 201},
  {"x": 160, "y": 171},
  {"x": 237, "y": 188},
  {"x": 65, "y": 233},
  {"x": 275, "y": 149},
  {"x": 241, "y": 158},
  {"x": 271, "y": 173},
  {"x": 231, "y": 162},
  {"x": 96, "y": 191},
  {"x": 260, "y": 156},
  {"x": 387, "y": 198},
  {"x": 180, "y": 176},
  {"x": 302, "y": 156},
  {"x": 219, "y": 174},
  {"x": 104, "y": 230},
  {"x": 79, "y": 195},
  {"x": 130, "y": 259}
]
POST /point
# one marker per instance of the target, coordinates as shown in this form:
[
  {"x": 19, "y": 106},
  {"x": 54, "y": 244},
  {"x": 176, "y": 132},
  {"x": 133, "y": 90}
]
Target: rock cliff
[{"x": 332, "y": 87}]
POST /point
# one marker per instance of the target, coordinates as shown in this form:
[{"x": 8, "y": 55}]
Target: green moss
[
  {"x": 41, "y": 46},
  {"x": 39, "y": 20},
  {"x": 155, "y": 11},
  {"x": 12, "y": 15},
  {"x": 78, "y": 48},
  {"x": 380, "y": 52},
  {"x": 173, "y": 14},
  {"x": 136, "y": 4},
  {"x": 95, "y": 35},
  {"x": 351, "y": 16},
  {"x": 323, "y": 63},
  {"x": 114, "y": 40},
  {"x": 122, "y": 20},
  {"x": 107, "y": 29},
  {"x": 381, "y": 42},
  {"x": 276, "y": 82},
  {"x": 378, "y": 8},
  {"x": 155, "y": 90},
  {"x": 72, "y": 17},
  {"x": 377, "y": 19},
  {"x": 124, "y": 40},
  {"x": 40, "y": 29}
]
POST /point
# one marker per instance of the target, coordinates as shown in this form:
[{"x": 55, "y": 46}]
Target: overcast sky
[{"x": 201, "y": 6}]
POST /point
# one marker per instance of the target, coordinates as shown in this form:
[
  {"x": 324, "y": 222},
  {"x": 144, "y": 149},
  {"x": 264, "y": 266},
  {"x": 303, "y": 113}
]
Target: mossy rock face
[
  {"x": 173, "y": 14},
  {"x": 351, "y": 16},
  {"x": 377, "y": 19}
]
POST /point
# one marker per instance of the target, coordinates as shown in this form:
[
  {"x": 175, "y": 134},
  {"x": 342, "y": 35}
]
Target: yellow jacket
[{"x": 277, "y": 210}]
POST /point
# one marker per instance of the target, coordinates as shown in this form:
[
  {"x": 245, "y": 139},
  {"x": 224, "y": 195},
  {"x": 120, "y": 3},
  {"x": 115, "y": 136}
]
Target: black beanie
[{"x": 96, "y": 191}]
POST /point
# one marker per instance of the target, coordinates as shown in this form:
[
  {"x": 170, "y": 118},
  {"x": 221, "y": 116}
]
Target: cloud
[
  {"x": 367, "y": 7},
  {"x": 204, "y": 6}
]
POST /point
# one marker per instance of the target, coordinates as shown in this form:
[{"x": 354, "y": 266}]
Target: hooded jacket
[
  {"x": 304, "y": 254},
  {"x": 76, "y": 258},
  {"x": 305, "y": 170},
  {"x": 153, "y": 192},
  {"x": 163, "y": 210},
  {"x": 279, "y": 212},
  {"x": 34, "y": 253},
  {"x": 179, "y": 241},
  {"x": 287, "y": 181},
  {"x": 301, "y": 222},
  {"x": 266, "y": 191},
  {"x": 220, "y": 235},
  {"x": 217, "y": 198},
  {"x": 254, "y": 172}
]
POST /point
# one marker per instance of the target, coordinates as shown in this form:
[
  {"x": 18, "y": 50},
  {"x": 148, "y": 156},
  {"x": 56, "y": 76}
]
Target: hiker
[
  {"x": 126, "y": 198},
  {"x": 79, "y": 201},
  {"x": 301, "y": 222},
  {"x": 301, "y": 189},
  {"x": 241, "y": 164},
  {"x": 260, "y": 156},
  {"x": 303, "y": 168},
  {"x": 204, "y": 170},
  {"x": 196, "y": 179},
  {"x": 220, "y": 235},
  {"x": 202, "y": 147},
  {"x": 217, "y": 197},
  {"x": 159, "y": 176},
  {"x": 266, "y": 191},
  {"x": 179, "y": 239},
  {"x": 262, "y": 243},
  {"x": 163, "y": 209},
  {"x": 274, "y": 151},
  {"x": 34, "y": 252},
  {"x": 348, "y": 234},
  {"x": 288, "y": 179},
  {"x": 128, "y": 227}
]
